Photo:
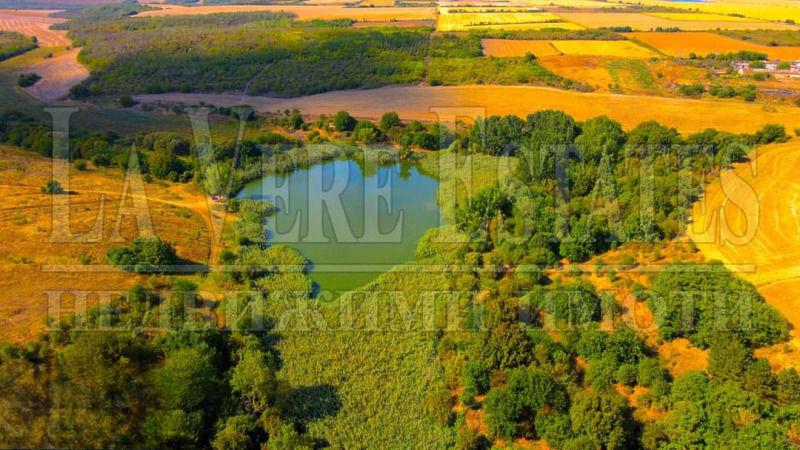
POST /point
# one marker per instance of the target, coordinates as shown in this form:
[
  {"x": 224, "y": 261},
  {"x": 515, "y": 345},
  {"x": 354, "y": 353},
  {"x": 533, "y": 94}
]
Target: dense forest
[
  {"x": 274, "y": 54},
  {"x": 536, "y": 349},
  {"x": 13, "y": 44}
]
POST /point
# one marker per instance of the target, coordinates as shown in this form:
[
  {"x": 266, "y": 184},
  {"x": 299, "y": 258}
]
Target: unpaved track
[
  {"x": 416, "y": 102},
  {"x": 762, "y": 235}
]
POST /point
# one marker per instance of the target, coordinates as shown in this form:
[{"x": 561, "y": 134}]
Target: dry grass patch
[
  {"x": 34, "y": 23},
  {"x": 683, "y": 44},
  {"x": 644, "y": 22},
  {"x": 32, "y": 262},
  {"x": 516, "y": 48}
]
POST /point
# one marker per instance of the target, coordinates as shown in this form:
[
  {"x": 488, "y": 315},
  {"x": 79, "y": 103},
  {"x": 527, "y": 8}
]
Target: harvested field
[
  {"x": 619, "y": 49},
  {"x": 528, "y": 26},
  {"x": 700, "y": 17},
  {"x": 471, "y": 20},
  {"x": 397, "y": 23},
  {"x": 682, "y": 44},
  {"x": 749, "y": 220},
  {"x": 774, "y": 10},
  {"x": 415, "y": 102},
  {"x": 33, "y": 264},
  {"x": 644, "y": 22},
  {"x": 34, "y": 23},
  {"x": 589, "y": 69},
  {"x": 304, "y": 12},
  {"x": 59, "y": 74},
  {"x": 511, "y": 48},
  {"x": 515, "y": 48}
]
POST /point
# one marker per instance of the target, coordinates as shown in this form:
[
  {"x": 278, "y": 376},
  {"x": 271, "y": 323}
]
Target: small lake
[{"x": 352, "y": 220}]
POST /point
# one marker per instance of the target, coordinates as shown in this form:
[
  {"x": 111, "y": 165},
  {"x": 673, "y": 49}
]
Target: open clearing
[
  {"x": 515, "y": 48},
  {"x": 32, "y": 264},
  {"x": 644, "y": 22},
  {"x": 34, "y": 23},
  {"x": 415, "y": 102},
  {"x": 303, "y": 12},
  {"x": 749, "y": 220},
  {"x": 682, "y": 44},
  {"x": 470, "y": 20},
  {"x": 59, "y": 74}
]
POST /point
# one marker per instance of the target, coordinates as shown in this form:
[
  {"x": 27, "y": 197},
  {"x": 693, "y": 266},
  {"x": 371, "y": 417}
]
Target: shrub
[
  {"x": 28, "y": 79},
  {"x": 343, "y": 121},
  {"x": 143, "y": 255},
  {"x": 126, "y": 101},
  {"x": 52, "y": 187}
]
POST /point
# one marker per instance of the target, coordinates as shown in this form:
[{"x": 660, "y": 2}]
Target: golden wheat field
[
  {"x": 34, "y": 258},
  {"x": 457, "y": 21},
  {"x": 527, "y": 26},
  {"x": 34, "y": 23},
  {"x": 644, "y": 22},
  {"x": 304, "y": 12},
  {"x": 516, "y": 48},
  {"x": 619, "y": 49},
  {"x": 683, "y": 44},
  {"x": 417, "y": 102},
  {"x": 749, "y": 220},
  {"x": 773, "y": 10}
]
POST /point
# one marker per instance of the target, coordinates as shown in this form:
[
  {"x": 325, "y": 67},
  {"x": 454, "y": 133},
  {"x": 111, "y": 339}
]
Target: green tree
[
  {"x": 390, "y": 120},
  {"x": 601, "y": 417},
  {"x": 343, "y": 121}
]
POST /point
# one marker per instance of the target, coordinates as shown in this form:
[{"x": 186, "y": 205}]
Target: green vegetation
[
  {"x": 772, "y": 38},
  {"x": 13, "y": 44},
  {"x": 456, "y": 59},
  {"x": 144, "y": 255},
  {"x": 273, "y": 55},
  {"x": 28, "y": 79},
  {"x": 379, "y": 367}
]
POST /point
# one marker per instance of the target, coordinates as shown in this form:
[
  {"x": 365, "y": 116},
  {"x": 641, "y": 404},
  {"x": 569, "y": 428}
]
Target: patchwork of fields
[
  {"x": 683, "y": 44},
  {"x": 645, "y": 22}
]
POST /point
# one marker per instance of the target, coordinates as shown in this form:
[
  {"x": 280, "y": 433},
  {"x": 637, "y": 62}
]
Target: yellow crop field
[
  {"x": 644, "y": 22},
  {"x": 683, "y": 44},
  {"x": 619, "y": 49},
  {"x": 748, "y": 220},
  {"x": 775, "y": 10},
  {"x": 700, "y": 17},
  {"x": 470, "y": 20},
  {"x": 304, "y": 12},
  {"x": 515, "y": 48}
]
